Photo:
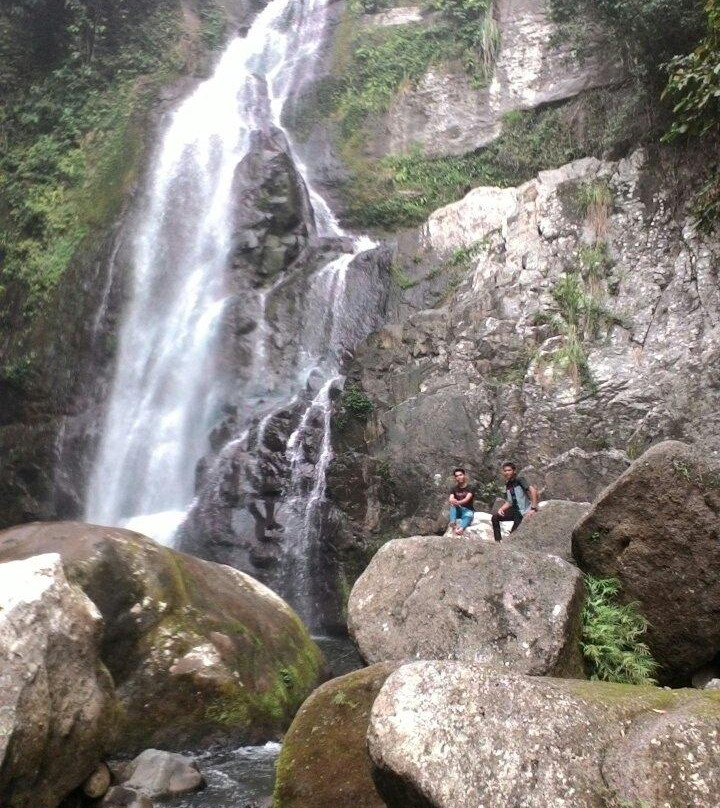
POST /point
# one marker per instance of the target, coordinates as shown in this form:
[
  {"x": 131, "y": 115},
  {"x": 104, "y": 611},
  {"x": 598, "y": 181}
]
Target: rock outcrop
[
  {"x": 657, "y": 529},
  {"x": 324, "y": 762},
  {"x": 56, "y": 699},
  {"x": 197, "y": 651},
  {"x": 487, "y": 375},
  {"x": 551, "y": 529},
  {"x": 449, "y": 735},
  {"x": 449, "y": 114},
  {"x": 464, "y": 599}
]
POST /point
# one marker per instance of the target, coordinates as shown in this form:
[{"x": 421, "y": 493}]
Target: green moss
[{"x": 323, "y": 761}]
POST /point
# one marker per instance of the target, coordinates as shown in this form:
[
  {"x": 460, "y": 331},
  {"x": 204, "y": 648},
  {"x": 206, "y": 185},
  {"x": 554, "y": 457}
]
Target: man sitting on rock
[
  {"x": 521, "y": 500},
  {"x": 461, "y": 503}
]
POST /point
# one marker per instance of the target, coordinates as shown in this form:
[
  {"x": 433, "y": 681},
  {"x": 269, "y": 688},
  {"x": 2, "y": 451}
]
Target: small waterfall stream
[{"x": 168, "y": 391}]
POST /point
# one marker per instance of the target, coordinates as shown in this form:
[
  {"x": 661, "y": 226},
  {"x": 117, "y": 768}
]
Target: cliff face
[{"x": 583, "y": 328}]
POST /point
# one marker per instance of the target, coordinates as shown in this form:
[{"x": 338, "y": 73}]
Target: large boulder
[
  {"x": 452, "y": 735},
  {"x": 198, "y": 651},
  {"x": 56, "y": 700},
  {"x": 461, "y": 598},
  {"x": 550, "y": 530},
  {"x": 657, "y": 529},
  {"x": 324, "y": 762}
]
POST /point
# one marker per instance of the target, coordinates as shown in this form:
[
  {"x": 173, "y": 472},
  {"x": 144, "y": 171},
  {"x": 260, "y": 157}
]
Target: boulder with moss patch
[
  {"x": 324, "y": 763},
  {"x": 451, "y": 735},
  {"x": 198, "y": 651},
  {"x": 657, "y": 530}
]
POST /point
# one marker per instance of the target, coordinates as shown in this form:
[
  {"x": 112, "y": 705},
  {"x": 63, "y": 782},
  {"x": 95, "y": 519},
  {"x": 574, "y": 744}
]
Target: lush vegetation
[
  {"x": 76, "y": 79},
  {"x": 694, "y": 89},
  {"x": 612, "y": 634},
  {"x": 402, "y": 191},
  {"x": 647, "y": 33}
]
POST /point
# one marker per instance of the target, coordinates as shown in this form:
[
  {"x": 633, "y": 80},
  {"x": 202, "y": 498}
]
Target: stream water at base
[{"x": 245, "y": 776}]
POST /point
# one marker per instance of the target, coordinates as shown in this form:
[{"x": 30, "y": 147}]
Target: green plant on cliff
[
  {"x": 356, "y": 402},
  {"x": 694, "y": 90},
  {"x": 612, "y": 636},
  {"x": 76, "y": 80}
]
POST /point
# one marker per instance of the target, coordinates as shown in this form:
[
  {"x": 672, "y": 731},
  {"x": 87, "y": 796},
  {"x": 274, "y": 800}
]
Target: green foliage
[
  {"x": 595, "y": 260},
  {"x": 471, "y": 22},
  {"x": 213, "y": 24},
  {"x": 612, "y": 636},
  {"x": 578, "y": 315},
  {"x": 356, "y": 402},
  {"x": 694, "y": 90},
  {"x": 405, "y": 190},
  {"x": 70, "y": 132},
  {"x": 647, "y": 33},
  {"x": 400, "y": 277}
]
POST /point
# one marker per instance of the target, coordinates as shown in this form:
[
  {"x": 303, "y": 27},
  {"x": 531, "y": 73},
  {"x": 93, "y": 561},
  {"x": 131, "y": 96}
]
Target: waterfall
[{"x": 167, "y": 393}]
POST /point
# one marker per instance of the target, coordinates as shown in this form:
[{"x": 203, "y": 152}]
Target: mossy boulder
[
  {"x": 324, "y": 762},
  {"x": 453, "y": 735},
  {"x": 198, "y": 651}
]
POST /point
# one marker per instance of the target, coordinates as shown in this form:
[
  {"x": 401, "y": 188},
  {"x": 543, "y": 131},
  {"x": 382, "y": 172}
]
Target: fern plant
[{"x": 612, "y": 636}]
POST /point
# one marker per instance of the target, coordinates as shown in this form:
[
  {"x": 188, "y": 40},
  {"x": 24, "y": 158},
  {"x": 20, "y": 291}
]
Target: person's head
[
  {"x": 509, "y": 470},
  {"x": 460, "y": 476}
]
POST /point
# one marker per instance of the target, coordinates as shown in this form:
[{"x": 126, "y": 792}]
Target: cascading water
[{"x": 168, "y": 391}]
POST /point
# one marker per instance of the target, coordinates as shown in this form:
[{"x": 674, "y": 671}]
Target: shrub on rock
[
  {"x": 657, "y": 530},
  {"x": 56, "y": 700},
  {"x": 451, "y": 598},
  {"x": 452, "y": 735},
  {"x": 198, "y": 651}
]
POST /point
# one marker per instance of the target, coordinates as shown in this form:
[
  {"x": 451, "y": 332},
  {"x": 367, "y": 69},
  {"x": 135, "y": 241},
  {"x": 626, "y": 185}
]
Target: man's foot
[
  {"x": 498, "y": 540},
  {"x": 460, "y": 531}
]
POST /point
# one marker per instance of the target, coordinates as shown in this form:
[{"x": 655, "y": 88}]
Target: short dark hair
[
  {"x": 509, "y": 464},
  {"x": 455, "y": 471}
]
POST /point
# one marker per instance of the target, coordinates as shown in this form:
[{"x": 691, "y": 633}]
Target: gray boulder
[
  {"x": 461, "y": 598},
  {"x": 550, "y": 530},
  {"x": 124, "y": 797},
  {"x": 657, "y": 529},
  {"x": 98, "y": 783},
  {"x": 163, "y": 774},
  {"x": 56, "y": 697},
  {"x": 452, "y": 735}
]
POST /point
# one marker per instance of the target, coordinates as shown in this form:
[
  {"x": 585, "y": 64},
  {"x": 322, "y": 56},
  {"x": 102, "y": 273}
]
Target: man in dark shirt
[
  {"x": 521, "y": 500},
  {"x": 461, "y": 503}
]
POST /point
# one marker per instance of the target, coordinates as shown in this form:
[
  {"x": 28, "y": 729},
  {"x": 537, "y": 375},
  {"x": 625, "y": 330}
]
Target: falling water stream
[{"x": 164, "y": 399}]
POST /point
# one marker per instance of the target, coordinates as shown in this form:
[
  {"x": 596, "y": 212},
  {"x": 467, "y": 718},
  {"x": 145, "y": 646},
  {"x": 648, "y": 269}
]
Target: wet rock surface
[
  {"x": 198, "y": 652},
  {"x": 464, "y": 599},
  {"x": 450, "y": 735},
  {"x": 657, "y": 530},
  {"x": 324, "y": 760},
  {"x": 163, "y": 775},
  {"x": 56, "y": 698}
]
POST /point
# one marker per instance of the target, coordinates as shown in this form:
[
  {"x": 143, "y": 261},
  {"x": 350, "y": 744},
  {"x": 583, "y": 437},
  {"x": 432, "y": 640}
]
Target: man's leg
[
  {"x": 454, "y": 516},
  {"x": 511, "y": 515},
  {"x": 466, "y": 517}
]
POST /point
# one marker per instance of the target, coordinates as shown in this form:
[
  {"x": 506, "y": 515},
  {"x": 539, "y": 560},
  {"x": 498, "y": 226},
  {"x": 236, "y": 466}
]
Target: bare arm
[{"x": 464, "y": 500}]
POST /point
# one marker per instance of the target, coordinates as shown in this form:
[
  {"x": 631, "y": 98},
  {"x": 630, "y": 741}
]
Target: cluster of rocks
[
  {"x": 152, "y": 775},
  {"x": 478, "y": 692},
  {"x": 111, "y": 644}
]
